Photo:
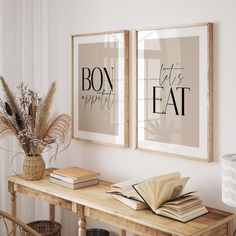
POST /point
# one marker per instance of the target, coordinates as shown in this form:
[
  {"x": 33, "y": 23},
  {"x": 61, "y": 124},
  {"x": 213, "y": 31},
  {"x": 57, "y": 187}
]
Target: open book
[
  {"x": 163, "y": 195},
  {"x": 125, "y": 193},
  {"x": 125, "y": 189}
]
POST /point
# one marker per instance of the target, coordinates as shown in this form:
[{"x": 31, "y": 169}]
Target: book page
[
  {"x": 182, "y": 199},
  {"x": 151, "y": 188},
  {"x": 125, "y": 189},
  {"x": 183, "y": 214},
  {"x": 171, "y": 190},
  {"x": 182, "y": 206},
  {"x": 127, "y": 184}
]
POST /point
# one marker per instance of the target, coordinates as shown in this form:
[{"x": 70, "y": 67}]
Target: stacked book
[
  {"x": 162, "y": 194},
  {"x": 74, "y": 177}
]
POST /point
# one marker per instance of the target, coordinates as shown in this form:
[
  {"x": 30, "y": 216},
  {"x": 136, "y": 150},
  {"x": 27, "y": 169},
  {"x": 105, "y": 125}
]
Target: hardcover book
[
  {"x": 125, "y": 189},
  {"x": 74, "y": 174},
  {"x": 134, "y": 204},
  {"x": 75, "y": 185},
  {"x": 163, "y": 195}
]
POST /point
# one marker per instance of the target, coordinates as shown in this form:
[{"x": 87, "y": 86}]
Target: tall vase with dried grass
[{"x": 27, "y": 116}]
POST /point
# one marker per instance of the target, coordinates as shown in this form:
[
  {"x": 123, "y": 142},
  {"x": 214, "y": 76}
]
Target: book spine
[
  {"x": 63, "y": 178},
  {"x": 135, "y": 205},
  {"x": 73, "y": 186},
  {"x": 71, "y": 180}
]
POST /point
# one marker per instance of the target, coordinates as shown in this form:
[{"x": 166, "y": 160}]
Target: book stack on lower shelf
[
  {"x": 162, "y": 194},
  {"x": 74, "y": 177}
]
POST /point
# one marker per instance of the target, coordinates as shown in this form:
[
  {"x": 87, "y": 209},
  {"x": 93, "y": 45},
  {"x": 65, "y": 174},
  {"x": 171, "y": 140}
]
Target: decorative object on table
[
  {"x": 163, "y": 195},
  {"x": 229, "y": 179},
  {"x": 100, "y": 87},
  {"x": 174, "y": 91},
  {"x": 27, "y": 116},
  {"x": 74, "y": 177}
]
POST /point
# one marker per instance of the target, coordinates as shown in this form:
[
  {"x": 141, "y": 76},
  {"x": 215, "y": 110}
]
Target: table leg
[
  {"x": 12, "y": 206},
  {"x": 230, "y": 228},
  {"x": 82, "y": 222},
  {"x": 82, "y": 227},
  {"x": 52, "y": 212},
  {"x": 79, "y": 210},
  {"x": 122, "y": 232}
]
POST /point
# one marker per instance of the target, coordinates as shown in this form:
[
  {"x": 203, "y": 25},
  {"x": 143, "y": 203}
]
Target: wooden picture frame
[
  {"x": 174, "y": 91},
  {"x": 100, "y": 83}
]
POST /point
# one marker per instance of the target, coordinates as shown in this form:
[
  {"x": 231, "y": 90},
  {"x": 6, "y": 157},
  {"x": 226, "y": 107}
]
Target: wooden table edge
[{"x": 12, "y": 184}]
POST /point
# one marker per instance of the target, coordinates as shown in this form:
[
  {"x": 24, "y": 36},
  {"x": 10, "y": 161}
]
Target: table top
[{"x": 96, "y": 197}]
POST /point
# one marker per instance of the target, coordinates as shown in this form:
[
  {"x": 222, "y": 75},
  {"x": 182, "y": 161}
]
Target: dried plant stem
[
  {"x": 8, "y": 125},
  {"x": 44, "y": 112},
  {"x": 27, "y": 116},
  {"x": 60, "y": 128},
  {"x": 34, "y": 112},
  {"x": 11, "y": 100}
]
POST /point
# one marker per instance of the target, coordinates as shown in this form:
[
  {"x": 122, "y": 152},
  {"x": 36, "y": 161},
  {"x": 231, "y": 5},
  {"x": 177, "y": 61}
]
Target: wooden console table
[{"x": 94, "y": 202}]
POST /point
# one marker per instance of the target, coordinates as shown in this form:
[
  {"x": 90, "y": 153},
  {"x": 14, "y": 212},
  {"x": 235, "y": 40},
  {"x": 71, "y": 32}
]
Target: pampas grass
[
  {"x": 7, "y": 126},
  {"x": 12, "y": 104},
  {"x": 44, "y": 112},
  {"x": 28, "y": 118},
  {"x": 58, "y": 128}
]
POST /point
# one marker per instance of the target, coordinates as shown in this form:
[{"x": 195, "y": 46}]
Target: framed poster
[
  {"x": 174, "y": 91},
  {"x": 100, "y": 87}
]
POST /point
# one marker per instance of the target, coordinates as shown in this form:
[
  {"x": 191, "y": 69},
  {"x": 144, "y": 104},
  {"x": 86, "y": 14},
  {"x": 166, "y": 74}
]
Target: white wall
[
  {"x": 68, "y": 17},
  {"x": 62, "y": 18}
]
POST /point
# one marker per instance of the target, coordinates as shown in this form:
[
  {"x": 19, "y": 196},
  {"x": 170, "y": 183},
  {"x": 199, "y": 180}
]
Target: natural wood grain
[
  {"x": 126, "y": 76},
  {"x": 220, "y": 230},
  {"x": 72, "y": 86},
  {"x": 136, "y": 92},
  {"x": 82, "y": 227},
  {"x": 120, "y": 222},
  {"x": 79, "y": 210},
  {"x": 172, "y": 26},
  {"x": 210, "y": 92},
  {"x": 44, "y": 196},
  {"x": 94, "y": 202},
  {"x": 122, "y": 232},
  {"x": 51, "y": 212},
  {"x": 230, "y": 228},
  {"x": 13, "y": 211},
  {"x": 98, "y": 33},
  {"x": 12, "y": 206},
  {"x": 82, "y": 222}
]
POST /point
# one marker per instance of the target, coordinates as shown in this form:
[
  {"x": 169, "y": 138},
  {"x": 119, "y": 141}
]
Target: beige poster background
[
  {"x": 98, "y": 109},
  {"x": 171, "y": 64}
]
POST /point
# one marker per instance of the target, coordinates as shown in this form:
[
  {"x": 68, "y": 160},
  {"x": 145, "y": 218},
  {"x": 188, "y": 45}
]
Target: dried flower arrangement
[{"x": 27, "y": 116}]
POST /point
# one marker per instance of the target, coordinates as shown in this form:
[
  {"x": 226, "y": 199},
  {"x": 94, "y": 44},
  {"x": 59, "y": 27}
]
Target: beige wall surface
[
  {"x": 97, "y": 112},
  {"x": 53, "y": 22},
  {"x": 175, "y": 126}
]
